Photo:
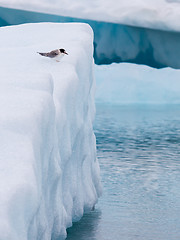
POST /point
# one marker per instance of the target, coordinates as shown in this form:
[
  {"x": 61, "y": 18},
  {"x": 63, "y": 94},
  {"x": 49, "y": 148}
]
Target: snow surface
[
  {"x": 126, "y": 83},
  {"x": 156, "y": 14},
  {"x": 49, "y": 174}
]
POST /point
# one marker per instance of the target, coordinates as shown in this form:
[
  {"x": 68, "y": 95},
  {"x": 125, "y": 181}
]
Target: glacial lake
[{"x": 139, "y": 153}]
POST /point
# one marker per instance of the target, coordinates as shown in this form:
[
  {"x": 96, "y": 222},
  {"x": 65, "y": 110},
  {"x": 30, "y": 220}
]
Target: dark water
[{"x": 139, "y": 153}]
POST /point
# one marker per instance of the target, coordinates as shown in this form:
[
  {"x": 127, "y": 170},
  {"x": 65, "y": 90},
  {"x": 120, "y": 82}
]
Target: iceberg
[
  {"x": 156, "y": 14},
  {"x": 49, "y": 173},
  {"x": 114, "y": 42},
  {"x": 126, "y": 83}
]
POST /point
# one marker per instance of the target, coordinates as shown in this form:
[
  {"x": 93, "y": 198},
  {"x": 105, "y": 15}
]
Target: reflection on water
[
  {"x": 86, "y": 228},
  {"x": 139, "y": 152}
]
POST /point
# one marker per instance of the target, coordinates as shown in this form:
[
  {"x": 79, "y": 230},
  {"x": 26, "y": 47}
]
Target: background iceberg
[
  {"x": 156, "y": 14},
  {"x": 115, "y": 42},
  {"x": 137, "y": 84},
  {"x": 49, "y": 174}
]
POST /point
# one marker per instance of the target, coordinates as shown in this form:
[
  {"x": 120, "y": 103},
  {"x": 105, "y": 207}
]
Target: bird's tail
[{"x": 43, "y": 54}]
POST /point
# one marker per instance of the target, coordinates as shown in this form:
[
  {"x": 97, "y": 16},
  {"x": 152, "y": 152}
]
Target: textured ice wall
[
  {"x": 126, "y": 83},
  {"x": 49, "y": 174}
]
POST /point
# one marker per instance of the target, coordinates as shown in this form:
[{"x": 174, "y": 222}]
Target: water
[{"x": 139, "y": 153}]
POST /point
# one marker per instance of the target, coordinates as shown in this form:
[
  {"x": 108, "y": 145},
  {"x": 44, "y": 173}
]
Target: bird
[{"x": 56, "y": 54}]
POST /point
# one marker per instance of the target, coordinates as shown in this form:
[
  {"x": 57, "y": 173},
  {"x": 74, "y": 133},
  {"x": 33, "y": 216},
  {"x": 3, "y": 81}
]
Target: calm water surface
[{"x": 139, "y": 153}]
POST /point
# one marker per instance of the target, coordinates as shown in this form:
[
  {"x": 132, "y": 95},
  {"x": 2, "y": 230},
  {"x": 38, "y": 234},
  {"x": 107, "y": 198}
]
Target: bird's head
[{"x": 63, "y": 51}]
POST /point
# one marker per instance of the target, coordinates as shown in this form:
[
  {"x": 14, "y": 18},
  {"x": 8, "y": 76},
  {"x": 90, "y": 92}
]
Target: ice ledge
[{"x": 49, "y": 174}]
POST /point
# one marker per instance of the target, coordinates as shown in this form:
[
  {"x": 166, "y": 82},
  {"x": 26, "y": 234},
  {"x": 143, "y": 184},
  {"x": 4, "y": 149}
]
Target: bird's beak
[{"x": 66, "y": 53}]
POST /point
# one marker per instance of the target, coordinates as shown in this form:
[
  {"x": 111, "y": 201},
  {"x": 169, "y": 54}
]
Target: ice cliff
[{"x": 49, "y": 174}]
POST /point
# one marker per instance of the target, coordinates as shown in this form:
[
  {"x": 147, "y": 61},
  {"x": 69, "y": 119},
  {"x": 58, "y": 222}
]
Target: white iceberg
[
  {"x": 156, "y": 14},
  {"x": 126, "y": 83},
  {"x": 49, "y": 174}
]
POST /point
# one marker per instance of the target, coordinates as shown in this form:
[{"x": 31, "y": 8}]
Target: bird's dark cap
[{"x": 63, "y": 51}]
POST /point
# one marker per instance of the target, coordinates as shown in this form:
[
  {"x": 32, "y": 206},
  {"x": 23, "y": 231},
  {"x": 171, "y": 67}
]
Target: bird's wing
[{"x": 53, "y": 53}]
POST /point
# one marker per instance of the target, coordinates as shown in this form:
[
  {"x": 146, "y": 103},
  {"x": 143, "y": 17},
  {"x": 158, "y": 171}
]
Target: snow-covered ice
[
  {"x": 156, "y": 14},
  {"x": 49, "y": 174},
  {"x": 126, "y": 83}
]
